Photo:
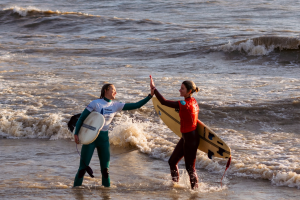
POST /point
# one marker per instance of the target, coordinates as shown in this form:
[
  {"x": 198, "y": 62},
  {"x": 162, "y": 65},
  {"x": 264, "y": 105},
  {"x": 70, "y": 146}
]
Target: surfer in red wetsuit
[{"x": 189, "y": 142}]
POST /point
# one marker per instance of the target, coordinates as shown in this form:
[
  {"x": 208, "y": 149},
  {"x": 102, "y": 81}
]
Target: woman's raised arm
[{"x": 161, "y": 99}]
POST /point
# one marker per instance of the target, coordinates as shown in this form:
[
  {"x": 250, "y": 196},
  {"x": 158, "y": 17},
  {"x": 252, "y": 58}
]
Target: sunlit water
[{"x": 244, "y": 57}]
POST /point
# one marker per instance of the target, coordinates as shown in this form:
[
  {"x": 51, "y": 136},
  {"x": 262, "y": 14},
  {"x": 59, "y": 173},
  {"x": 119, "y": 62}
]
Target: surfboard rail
[{"x": 91, "y": 128}]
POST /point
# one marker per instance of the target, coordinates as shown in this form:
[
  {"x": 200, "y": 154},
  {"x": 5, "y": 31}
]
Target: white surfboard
[
  {"x": 210, "y": 143},
  {"x": 91, "y": 128}
]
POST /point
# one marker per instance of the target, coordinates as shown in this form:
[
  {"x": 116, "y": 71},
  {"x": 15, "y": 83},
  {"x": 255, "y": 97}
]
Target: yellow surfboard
[{"x": 210, "y": 143}]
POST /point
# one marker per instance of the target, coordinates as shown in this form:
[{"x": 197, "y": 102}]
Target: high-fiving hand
[{"x": 152, "y": 86}]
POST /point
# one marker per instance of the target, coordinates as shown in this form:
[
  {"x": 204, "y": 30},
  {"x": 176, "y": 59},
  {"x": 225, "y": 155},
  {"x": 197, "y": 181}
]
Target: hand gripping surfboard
[{"x": 91, "y": 128}]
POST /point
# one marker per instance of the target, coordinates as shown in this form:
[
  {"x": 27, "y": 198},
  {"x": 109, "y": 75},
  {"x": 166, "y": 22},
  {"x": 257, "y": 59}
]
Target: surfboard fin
[{"x": 210, "y": 154}]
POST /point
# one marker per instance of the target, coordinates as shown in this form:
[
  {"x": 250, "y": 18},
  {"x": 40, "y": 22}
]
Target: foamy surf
[
  {"x": 17, "y": 124},
  {"x": 153, "y": 138},
  {"x": 243, "y": 165},
  {"x": 140, "y": 135},
  {"x": 144, "y": 136},
  {"x": 184, "y": 184}
]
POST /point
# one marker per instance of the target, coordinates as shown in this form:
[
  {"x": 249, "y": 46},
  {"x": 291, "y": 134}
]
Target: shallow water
[
  {"x": 39, "y": 168},
  {"x": 244, "y": 57}
]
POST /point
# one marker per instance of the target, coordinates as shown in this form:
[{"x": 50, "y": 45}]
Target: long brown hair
[
  {"x": 105, "y": 87},
  {"x": 190, "y": 85}
]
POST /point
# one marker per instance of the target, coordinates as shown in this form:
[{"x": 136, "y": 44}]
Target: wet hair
[
  {"x": 105, "y": 87},
  {"x": 190, "y": 85}
]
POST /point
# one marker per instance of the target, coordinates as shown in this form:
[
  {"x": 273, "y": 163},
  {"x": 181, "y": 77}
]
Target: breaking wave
[
  {"x": 17, "y": 124},
  {"x": 261, "y": 45},
  {"x": 31, "y": 10}
]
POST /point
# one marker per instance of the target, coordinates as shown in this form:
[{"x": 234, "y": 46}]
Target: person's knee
[{"x": 105, "y": 172}]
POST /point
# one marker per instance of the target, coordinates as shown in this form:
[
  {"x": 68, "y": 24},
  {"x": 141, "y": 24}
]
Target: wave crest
[
  {"x": 31, "y": 10},
  {"x": 261, "y": 45}
]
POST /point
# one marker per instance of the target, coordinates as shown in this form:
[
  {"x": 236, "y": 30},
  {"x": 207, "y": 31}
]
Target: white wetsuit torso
[{"x": 107, "y": 109}]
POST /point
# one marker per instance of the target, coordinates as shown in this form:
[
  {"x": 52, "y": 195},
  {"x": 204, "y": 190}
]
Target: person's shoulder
[{"x": 182, "y": 102}]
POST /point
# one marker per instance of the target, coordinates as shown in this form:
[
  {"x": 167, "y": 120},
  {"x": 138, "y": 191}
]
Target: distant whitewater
[
  {"x": 261, "y": 45},
  {"x": 31, "y": 10}
]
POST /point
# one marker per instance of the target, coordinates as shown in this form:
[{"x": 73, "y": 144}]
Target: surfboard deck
[
  {"x": 91, "y": 128},
  {"x": 210, "y": 143}
]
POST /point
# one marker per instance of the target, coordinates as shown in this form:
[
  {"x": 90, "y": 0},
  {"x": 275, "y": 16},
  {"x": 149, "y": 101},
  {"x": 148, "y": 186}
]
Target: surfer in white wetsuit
[{"x": 108, "y": 109}]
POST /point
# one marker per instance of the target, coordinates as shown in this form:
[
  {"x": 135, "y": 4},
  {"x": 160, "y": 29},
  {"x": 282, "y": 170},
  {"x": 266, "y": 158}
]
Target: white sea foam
[
  {"x": 261, "y": 45},
  {"x": 290, "y": 179},
  {"x": 5, "y": 56},
  {"x": 23, "y": 11},
  {"x": 184, "y": 183},
  {"x": 138, "y": 134},
  {"x": 253, "y": 155},
  {"x": 17, "y": 124},
  {"x": 248, "y": 47},
  {"x": 253, "y": 163}
]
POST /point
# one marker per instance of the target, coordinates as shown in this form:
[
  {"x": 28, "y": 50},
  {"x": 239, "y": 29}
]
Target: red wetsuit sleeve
[{"x": 163, "y": 101}]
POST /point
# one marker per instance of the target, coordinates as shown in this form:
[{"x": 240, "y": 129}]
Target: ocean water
[{"x": 244, "y": 57}]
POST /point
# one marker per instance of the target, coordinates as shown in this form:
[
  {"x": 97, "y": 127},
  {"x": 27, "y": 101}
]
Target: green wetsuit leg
[
  {"x": 103, "y": 149},
  {"x": 85, "y": 158}
]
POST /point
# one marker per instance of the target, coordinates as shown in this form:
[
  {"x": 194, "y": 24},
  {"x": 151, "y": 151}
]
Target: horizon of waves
[{"x": 34, "y": 11}]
